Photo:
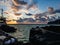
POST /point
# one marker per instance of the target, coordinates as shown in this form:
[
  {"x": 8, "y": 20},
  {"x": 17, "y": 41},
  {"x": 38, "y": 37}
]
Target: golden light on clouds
[
  {"x": 19, "y": 10},
  {"x": 15, "y": 3}
]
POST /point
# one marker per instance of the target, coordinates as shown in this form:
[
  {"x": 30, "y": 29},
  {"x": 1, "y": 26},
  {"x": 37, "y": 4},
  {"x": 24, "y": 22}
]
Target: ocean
[{"x": 23, "y": 31}]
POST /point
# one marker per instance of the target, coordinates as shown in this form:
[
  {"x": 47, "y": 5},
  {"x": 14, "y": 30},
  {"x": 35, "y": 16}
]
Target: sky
[
  {"x": 43, "y": 4},
  {"x": 40, "y": 5}
]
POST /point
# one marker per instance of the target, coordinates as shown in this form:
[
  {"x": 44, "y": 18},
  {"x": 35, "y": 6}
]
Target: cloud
[
  {"x": 19, "y": 2},
  {"x": 32, "y": 4},
  {"x": 26, "y": 3},
  {"x": 19, "y": 8}
]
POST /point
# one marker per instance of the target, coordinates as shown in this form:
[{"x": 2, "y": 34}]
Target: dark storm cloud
[
  {"x": 20, "y": 2},
  {"x": 29, "y": 14}
]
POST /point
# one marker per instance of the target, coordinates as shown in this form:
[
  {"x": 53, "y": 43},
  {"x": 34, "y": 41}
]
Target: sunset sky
[{"x": 34, "y": 6}]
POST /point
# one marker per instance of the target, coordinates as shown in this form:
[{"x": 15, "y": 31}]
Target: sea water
[{"x": 23, "y": 31}]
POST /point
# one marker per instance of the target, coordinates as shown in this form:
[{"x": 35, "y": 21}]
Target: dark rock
[
  {"x": 51, "y": 35},
  {"x": 7, "y": 28}
]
